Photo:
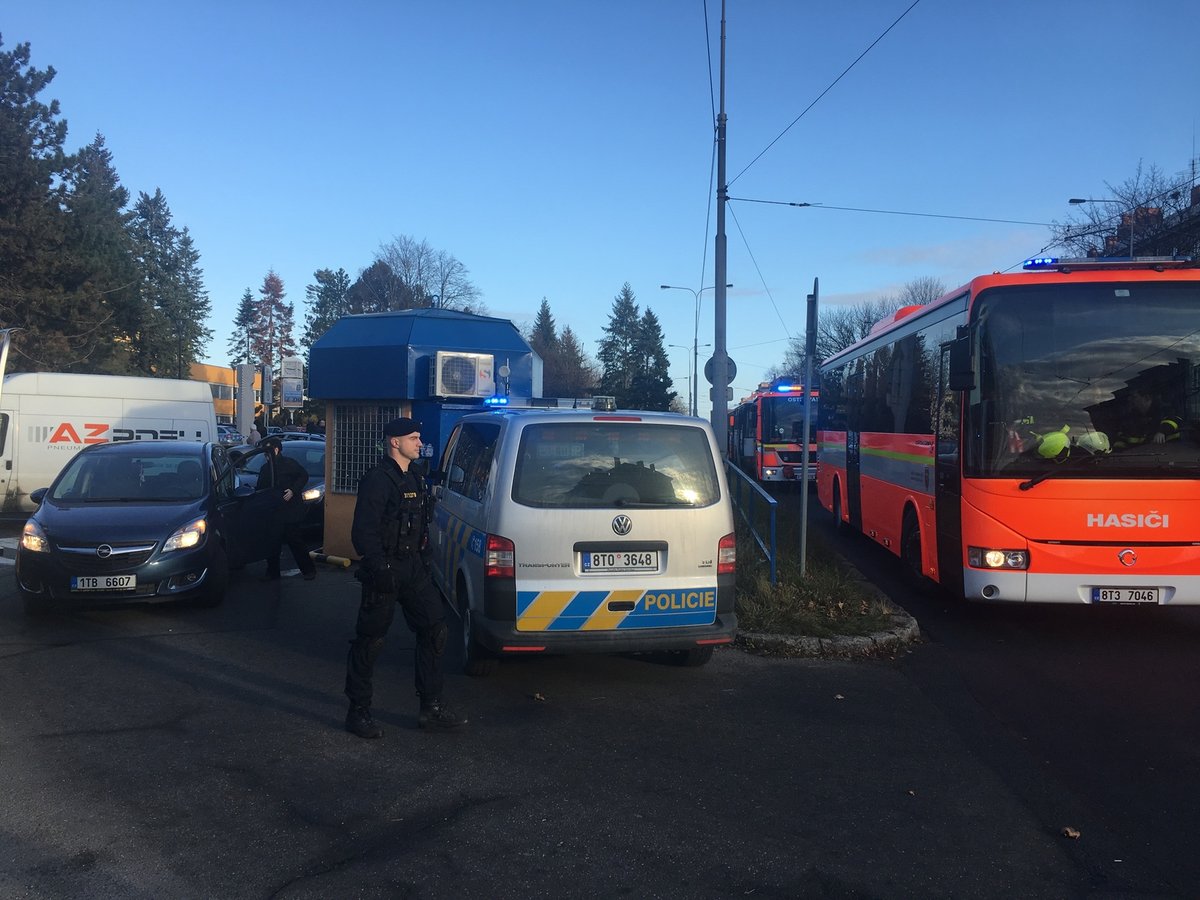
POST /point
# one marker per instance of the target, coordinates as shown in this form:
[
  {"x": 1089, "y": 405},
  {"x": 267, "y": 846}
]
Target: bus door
[
  {"x": 947, "y": 480},
  {"x": 854, "y": 394}
]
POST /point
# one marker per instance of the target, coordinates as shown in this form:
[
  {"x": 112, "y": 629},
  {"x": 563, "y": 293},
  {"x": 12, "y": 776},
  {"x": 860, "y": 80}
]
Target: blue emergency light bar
[
  {"x": 1109, "y": 262},
  {"x": 496, "y": 401}
]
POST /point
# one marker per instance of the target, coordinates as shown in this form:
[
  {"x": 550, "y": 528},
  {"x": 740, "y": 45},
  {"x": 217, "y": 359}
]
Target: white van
[
  {"x": 572, "y": 530},
  {"x": 46, "y": 417}
]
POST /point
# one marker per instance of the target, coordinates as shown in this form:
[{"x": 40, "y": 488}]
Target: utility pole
[{"x": 720, "y": 379}]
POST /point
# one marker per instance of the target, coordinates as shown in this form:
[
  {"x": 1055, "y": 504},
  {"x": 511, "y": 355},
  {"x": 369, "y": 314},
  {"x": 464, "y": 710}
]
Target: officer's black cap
[{"x": 401, "y": 427}]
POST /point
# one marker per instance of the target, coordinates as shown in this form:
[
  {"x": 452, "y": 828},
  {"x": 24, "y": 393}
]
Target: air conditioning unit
[{"x": 462, "y": 375}]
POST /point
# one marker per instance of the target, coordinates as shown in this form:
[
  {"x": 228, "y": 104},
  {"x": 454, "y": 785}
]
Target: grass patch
[{"x": 830, "y": 599}]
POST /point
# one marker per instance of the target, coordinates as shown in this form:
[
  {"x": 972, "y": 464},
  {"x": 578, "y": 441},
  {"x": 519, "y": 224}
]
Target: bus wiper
[{"x": 1070, "y": 464}]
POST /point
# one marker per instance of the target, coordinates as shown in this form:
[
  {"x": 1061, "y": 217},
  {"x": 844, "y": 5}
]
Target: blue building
[{"x": 434, "y": 365}]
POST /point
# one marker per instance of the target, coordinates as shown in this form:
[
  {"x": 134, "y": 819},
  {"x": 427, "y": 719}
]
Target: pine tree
[
  {"x": 576, "y": 374},
  {"x": 272, "y": 338},
  {"x": 618, "y": 348},
  {"x": 651, "y": 385},
  {"x": 327, "y": 301},
  {"x": 33, "y": 186},
  {"x": 98, "y": 268},
  {"x": 170, "y": 333},
  {"x": 238, "y": 348},
  {"x": 543, "y": 337}
]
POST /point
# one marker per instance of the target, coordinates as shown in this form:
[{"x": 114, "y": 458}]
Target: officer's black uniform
[{"x": 390, "y": 533}]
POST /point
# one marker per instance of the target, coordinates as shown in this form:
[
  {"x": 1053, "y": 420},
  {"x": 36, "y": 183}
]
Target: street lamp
[
  {"x": 691, "y": 383},
  {"x": 685, "y": 348},
  {"x": 1075, "y": 201},
  {"x": 695, "y": 338}
]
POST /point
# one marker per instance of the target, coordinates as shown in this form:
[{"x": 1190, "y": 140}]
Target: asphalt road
[{"x": 177, "y": 752}]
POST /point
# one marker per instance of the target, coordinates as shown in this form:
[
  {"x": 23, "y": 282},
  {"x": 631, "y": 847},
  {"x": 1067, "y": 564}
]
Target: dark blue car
[{"x": 141, "y": 522}]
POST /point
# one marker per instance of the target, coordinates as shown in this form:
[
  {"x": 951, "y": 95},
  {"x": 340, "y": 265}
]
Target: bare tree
[
  {"x": 432, "y": 278},
  {"x": 840, "y": 326},
  {"x": 1139, "y": 216}
]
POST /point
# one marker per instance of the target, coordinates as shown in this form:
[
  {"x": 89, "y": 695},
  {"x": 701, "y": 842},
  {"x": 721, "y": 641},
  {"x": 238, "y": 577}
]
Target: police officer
[
  {"x": 390, "y": 534},
  {"x": 288, "y": 479}
]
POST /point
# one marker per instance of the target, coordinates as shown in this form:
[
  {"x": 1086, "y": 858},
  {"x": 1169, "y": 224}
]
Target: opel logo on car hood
[
  {"x": 622, "y": 525},
  {"x": 104, "y": 551}
]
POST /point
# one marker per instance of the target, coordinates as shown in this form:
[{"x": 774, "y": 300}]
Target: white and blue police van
[{"x": 564, "y": 531}]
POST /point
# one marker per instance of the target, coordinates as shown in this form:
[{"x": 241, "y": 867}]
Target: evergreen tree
[
  {"x": 379, "y": 289},
  {"x": 171, "y": 331},
  {"x": 327, "y": 300},
  {"x": 575, "y": 373},
  {"x": 33, "y": 185},
  {"x": 543, "y": 337},
  {"x": 272, "y": 339},
  {"x": 98, "y": 269},
  {"x": 651, "y": 384},
  {"x": 238, "y": 348},
  {"x": 618, "y": 347}
]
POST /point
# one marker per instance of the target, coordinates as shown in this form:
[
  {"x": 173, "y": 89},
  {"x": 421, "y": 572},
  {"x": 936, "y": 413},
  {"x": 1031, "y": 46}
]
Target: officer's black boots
[
  {"x": 438, "y": 715},
  {"x": 359, "y": 722}
]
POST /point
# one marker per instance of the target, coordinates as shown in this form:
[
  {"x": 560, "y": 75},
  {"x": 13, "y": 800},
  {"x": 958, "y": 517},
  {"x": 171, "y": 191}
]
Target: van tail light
[
  {"x": 727, "y": 555},
  {"x": 499, "y": 560}
]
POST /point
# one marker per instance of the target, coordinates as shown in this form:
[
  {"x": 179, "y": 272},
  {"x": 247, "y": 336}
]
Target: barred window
[{"x": 357, "y": 432}]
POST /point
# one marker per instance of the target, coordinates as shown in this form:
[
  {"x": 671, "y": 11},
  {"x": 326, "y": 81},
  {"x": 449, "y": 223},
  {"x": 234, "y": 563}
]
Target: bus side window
[
  {"x": 3, "y": 431},
  {"x": 946, "y": 425}
]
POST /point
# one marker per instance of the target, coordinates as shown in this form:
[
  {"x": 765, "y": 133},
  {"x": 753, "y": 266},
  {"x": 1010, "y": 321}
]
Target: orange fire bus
[
  {"x": 1030, "y": 436},
  {"x": 766, "y": 432}
]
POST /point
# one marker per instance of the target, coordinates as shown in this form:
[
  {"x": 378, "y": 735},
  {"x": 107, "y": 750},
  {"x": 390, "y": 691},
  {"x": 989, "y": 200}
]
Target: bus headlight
[{"x": 989, "y": 558}]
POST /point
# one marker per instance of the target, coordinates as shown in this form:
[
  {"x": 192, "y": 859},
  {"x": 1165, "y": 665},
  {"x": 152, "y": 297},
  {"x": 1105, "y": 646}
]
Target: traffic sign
[{"x": 731, "y": 369}]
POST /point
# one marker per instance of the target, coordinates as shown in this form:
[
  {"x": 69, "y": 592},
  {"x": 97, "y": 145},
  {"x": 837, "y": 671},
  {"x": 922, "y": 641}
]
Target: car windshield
[
  {"x": 155, "y": 476},
  {"x": 610, "y": 464},
  {"x": 1096, "y": 380}
]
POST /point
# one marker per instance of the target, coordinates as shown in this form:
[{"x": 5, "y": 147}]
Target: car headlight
[
  {"x": 313, "y": 493},
  {"x": 187, "y": 536},
  {"x": 988, "y": 558},
  {"x": 33, "y": 538}
]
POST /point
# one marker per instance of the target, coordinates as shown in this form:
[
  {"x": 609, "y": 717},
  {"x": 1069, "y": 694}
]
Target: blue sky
[{"x": 559, "y": 149}]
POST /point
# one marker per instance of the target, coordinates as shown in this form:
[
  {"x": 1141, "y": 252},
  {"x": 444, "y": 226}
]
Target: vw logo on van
[{"x": 622, "y": 525}]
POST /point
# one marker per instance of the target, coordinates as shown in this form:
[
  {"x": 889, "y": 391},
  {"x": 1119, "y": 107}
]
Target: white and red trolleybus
[
  {"x": 766, "y": 432},
  {"x": 1030, "y": 436}
]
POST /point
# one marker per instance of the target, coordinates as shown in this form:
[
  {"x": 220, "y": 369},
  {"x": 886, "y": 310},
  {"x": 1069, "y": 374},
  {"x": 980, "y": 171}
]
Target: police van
[{"x": 584, "y": 530}]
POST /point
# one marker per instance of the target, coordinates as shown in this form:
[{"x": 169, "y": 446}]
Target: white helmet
[{"x": 1095, "y": 442}]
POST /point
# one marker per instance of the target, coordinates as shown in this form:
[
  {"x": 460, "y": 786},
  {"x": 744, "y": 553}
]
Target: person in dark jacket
[
  {"x": 288, "y": 479},
  {"x": 390, "y": 532}
]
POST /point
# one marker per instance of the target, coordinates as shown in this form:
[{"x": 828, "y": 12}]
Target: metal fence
[{"x": 757, "y": 509}]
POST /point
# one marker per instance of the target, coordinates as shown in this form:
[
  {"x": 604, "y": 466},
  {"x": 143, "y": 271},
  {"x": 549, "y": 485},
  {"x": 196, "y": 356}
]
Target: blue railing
[{"x": 746, "y": 495}]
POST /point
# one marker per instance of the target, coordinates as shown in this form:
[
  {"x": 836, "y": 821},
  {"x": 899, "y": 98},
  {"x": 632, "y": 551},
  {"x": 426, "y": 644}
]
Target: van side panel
[{"x": 52, "y": 416}]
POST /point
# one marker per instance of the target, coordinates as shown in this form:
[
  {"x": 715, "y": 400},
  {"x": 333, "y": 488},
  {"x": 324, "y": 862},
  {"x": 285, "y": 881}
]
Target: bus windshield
[
  {"x": 1092, "y": 380},
  {"x": 783, "y": 419}
]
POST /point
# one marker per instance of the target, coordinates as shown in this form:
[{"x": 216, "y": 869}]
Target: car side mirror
[
  {"x": 457, "y": 475},
  {"x": 39, "y": 495}
]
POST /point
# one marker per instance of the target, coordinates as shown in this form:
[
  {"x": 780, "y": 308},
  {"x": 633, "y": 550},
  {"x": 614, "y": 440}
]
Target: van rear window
[{"x": 614, "y": 464}]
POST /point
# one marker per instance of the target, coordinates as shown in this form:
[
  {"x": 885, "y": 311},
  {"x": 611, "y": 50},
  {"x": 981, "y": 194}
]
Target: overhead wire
[{"x": 845, "y": 71}]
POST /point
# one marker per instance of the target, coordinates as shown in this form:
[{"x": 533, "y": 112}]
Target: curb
[{"x": 904, "y": 630}]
